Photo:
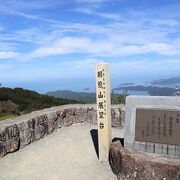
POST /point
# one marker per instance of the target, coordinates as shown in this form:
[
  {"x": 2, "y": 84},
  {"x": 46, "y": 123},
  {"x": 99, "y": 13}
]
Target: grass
[{"x": 6, "y": 116}]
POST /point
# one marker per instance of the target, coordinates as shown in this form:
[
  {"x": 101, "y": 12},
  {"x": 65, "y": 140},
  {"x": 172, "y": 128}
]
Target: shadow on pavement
[{"x": 94, "y": 136}]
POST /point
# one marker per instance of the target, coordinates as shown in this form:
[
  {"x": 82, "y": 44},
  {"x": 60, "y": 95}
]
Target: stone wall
[
  {"x": 23, "y": 130},
  {"x": 129, "y": 164}
]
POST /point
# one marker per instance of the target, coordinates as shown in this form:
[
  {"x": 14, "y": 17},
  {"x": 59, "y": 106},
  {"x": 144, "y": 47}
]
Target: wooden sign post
[{"x": 103, "y": 110}]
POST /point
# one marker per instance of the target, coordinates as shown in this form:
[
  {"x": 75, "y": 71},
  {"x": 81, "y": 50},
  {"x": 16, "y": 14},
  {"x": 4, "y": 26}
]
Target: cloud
[
  {"x": 91, "y": 1},
  {"x": 64, "y": 45},
  {"x": 22, "y": 8},
  {"x": 34, "y": 35},
  {"x": 90, "y": 11},
  {"x": 21, "y": 5},
  {"x": 7, "y": 10},
  {"x": 86, "y": 68},
  {"x": 2, "y": 28},
  {"x": 5, "y": 66},
  {"x": 8, "y": 54},
  {"x": 126, "y": 35},
  {"x": 7, "y": 46},
  {"x": 81, "y": 63},
  {"x": 27, "y": 72},
  {"x": 165, "y": 22},
  {"x": 113, "y": 39},
  {"x": 103, "y": 48},
  {"x": 117, "y": 35},
  {"x": 146, "y": 68}
]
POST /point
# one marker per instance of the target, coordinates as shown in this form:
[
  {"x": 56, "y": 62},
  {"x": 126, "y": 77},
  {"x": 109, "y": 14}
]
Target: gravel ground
[{"x": 67, "y": 154}]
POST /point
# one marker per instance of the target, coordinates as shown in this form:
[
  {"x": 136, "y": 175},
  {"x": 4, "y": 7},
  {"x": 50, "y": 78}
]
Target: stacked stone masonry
[
  {"x": 129, "y": 164},
  {"x": 23, "y": 130}
]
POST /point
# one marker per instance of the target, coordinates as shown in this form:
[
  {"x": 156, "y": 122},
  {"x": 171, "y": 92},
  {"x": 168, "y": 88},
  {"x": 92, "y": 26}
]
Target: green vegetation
[
  {"x": 18, "y": 101},
  {"x": 119, "y": 98},
  {"x": 6, "y": 116}
]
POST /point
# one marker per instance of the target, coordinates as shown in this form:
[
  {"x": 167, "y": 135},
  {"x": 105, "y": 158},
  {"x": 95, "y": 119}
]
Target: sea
[
  {"x": 77, "y": 85},
  {"x": 145, "y": 93}
]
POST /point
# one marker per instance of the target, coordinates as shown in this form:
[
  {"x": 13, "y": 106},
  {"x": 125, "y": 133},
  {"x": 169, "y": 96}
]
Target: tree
[{"x": 119, "y": 98}]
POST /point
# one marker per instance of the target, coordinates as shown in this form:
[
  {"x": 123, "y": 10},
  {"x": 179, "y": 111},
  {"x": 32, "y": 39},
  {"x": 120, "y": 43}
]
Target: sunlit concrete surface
[{"x": 67, "y": 154}]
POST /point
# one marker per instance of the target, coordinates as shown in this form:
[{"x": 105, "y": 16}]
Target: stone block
[
  {"x": 116, "y": 117},
  {"x": 122, "y": 118},
  {"x": 159, "y": 104},
  {"x": 60, "y": 116},
  {"x": 81, "y": 115},
  {"x": 177, "y": 150},
  {"x": 171, "y": 149},
  {"x": 52, "y": 122},
  {"x": 3, "y": 150},
  {"x": 70, "y": 111},
  {"x": 40, "y": 128},
  {"x": 92, "y": 116},
  {"x": 9, "y": 139},
  {"x": 138, "y": 145},
  {"x": 131, "y": 164},
  {"x": 27, "y": 134},
  {"x": 69, "y": 118}
]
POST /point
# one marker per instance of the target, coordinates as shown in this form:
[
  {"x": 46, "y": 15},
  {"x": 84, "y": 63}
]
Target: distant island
[
  {"x": 159, "y": 87},
  {"x": 173, "y": 80},
  {"x": 152, "y": 90},
  {"x": 126, "y": 84}
]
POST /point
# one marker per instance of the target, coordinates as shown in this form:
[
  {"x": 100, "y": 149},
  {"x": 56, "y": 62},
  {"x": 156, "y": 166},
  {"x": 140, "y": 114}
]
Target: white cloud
[
  {"x": 86, "y": 68},
  {"x": 8, "y": 54},
  {"x": 83, "y": 63},
  {"x": 91, "y": 1},
  {"x": 5, "y": 66},
  {"x": 165, "y": 22},
  {"x": 110, "y": 39},
  {"x": 2, "y": 28},
  {"x": 84, "y": 10},
  {"x": 22, "y": 8},
  {"x": 90, "y": 11},
  {"x": 146, "y": 68},
  {"x": 7, "y": 10},
  {"x": 21, "y": 5},
  {"x": 123, "y": 37},
  {"x": 61, "y": 69},
  {"x": 68, "y": 45},
  {"x": 34, "y": 35},
  {"x": 109, "y": 16}
]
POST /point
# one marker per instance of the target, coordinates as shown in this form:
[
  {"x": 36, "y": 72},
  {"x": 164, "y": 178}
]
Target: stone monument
[
  {"x": 152, "y": 124},
  {"x": 103, "y": 110}
]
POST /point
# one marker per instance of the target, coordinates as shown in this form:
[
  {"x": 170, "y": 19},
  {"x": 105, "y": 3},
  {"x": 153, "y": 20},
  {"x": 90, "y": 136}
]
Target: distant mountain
[
  {"x": 78, "y": 96},
  {"x": 152, "y": 90},
  {"x": 173, "y": 80}
]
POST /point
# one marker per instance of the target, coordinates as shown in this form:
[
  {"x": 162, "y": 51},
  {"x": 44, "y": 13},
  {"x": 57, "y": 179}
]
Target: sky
[{"x": 48, "y": 45}]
